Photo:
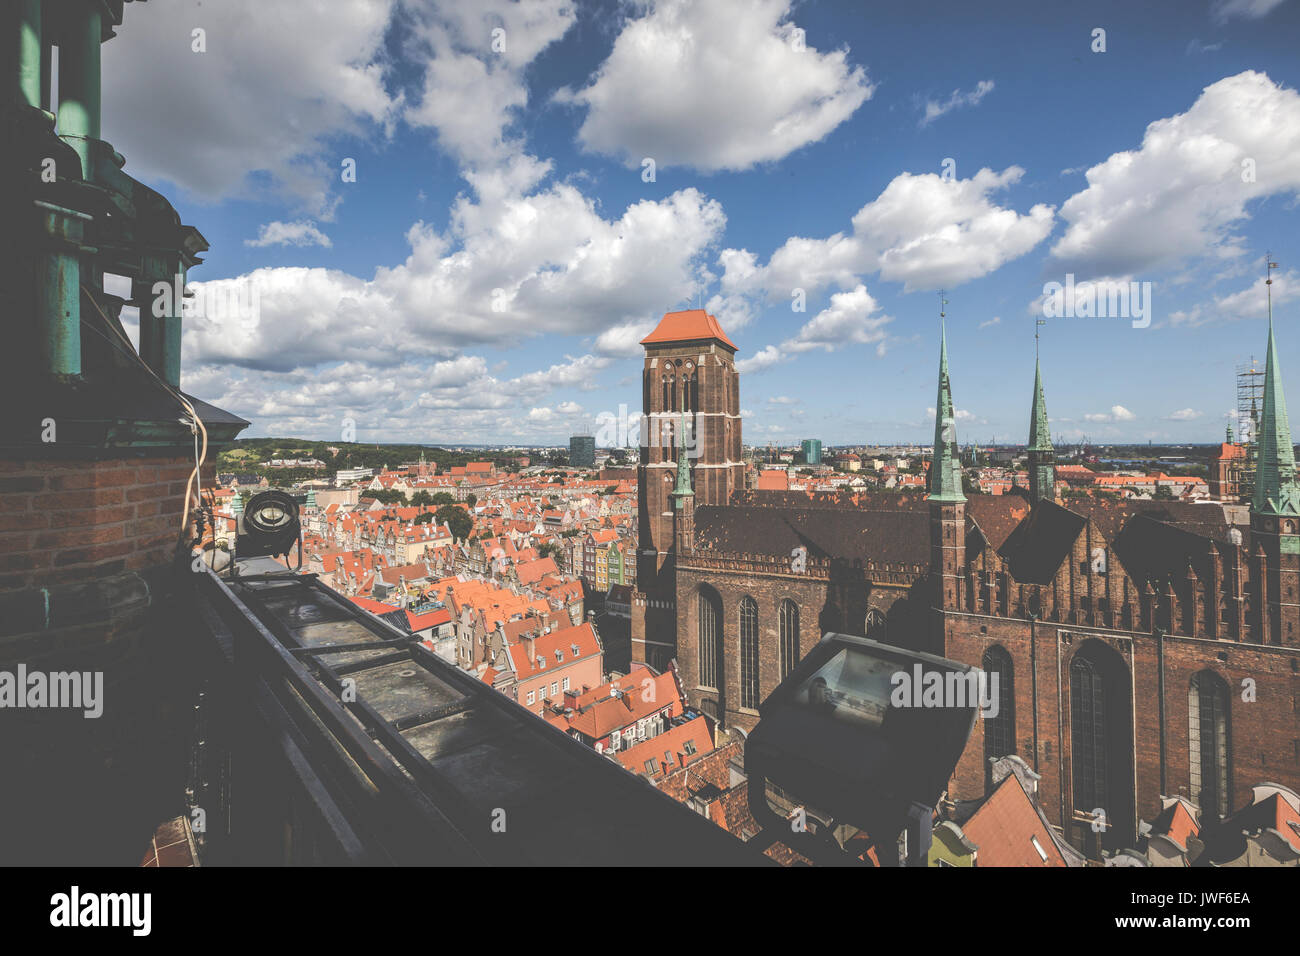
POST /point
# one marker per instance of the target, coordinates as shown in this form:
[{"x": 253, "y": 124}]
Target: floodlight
[
  {"x": 269, "y": 527},
  {"x": 847, "y": 753}
]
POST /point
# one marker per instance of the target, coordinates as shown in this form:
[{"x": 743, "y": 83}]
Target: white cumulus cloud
[{"x": 719, "y": 85}]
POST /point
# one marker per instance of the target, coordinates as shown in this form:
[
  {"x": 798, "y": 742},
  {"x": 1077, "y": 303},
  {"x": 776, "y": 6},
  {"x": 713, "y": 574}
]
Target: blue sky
[{"x": 486, "y": 276}]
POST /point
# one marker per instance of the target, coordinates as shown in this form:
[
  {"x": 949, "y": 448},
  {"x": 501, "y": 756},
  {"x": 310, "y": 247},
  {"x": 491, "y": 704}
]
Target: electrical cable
[{"x": 194, "y": 484}]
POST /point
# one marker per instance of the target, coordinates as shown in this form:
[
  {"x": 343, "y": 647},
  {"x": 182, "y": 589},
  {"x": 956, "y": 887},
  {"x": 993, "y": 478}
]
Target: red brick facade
[
  {"x": 1056, "y": 588},
  {"x": 694, "y": 379},
  {"x": 80, "y": 544}
]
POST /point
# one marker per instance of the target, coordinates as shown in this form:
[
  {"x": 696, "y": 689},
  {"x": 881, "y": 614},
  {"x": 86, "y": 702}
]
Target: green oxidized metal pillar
[
  {"x": 79, "y": 80},
  {"x": 171, "y": 355},
  {"x": 58, "y": 288},
  {"x": 160, "y": 316},
  {"x": 31, "y": 51}
]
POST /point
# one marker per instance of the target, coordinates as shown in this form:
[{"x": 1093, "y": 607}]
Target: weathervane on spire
[
  {"x": 942, "y": 302},
  {"x": 1268, "y": 282}
]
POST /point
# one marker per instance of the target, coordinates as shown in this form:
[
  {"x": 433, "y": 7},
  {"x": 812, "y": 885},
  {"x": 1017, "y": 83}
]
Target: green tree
[
  {"x": 471, "y": 500},
  {"x": 457, "y": 519}
]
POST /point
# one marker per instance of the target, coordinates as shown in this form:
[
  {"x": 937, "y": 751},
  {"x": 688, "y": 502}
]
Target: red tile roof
[
  {"x": 545, "y": 646},
  {"x": 535, "y": 570},
  {"x": 368, "y": 604},
  {"x": 599, "y": 713},
  {"x": 691, "y": 325},
  {"x": 1181, "y": 824},
  {"x": 418, "y": 622},
  {"x": 1002, "y": 829},
  {"x": 670, "y": 743}
]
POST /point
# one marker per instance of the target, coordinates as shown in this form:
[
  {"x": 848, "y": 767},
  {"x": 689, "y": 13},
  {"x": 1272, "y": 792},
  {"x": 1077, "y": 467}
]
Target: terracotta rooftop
[
  {"x": 690, "y": 325},
  {"x": 1009, "y": 832}
]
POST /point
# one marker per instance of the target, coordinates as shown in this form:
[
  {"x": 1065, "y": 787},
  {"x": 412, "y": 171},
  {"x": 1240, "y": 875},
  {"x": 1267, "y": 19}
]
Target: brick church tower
[{"x": 691, "y": 401}]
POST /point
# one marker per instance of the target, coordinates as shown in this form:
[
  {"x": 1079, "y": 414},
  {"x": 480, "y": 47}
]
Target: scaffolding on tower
[{"x": 1250, "y": 399}]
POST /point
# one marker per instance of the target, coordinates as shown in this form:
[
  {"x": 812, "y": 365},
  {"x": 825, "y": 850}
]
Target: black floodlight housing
[
  {"x": 847, "y": 753},
  {"x": 269, "y": 527}
]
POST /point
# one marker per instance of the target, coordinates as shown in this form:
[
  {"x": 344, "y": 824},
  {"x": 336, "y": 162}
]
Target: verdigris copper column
[
  {"x": 160, "y": 316},
  {"x": 58, "y": 289},
  {"x": 30, "y": 51},
  {"x": 79, "y": 81}
]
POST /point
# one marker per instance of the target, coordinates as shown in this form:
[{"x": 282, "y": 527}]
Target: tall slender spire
[
  {"x": 1276, "y": 488},
  {"x": 1040, "y": 435},
  {"x": 1042, "y": 457},
  {"x": 945, "y": 469}
]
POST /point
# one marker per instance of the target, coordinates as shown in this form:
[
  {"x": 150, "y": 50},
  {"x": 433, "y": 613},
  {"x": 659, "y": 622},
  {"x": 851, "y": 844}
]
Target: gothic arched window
[
  {"x": 1088, "y": 733},
  {"x": 1000, "y": 731},
  {"x": 748, "y": 652},
  {"x": 1207, "y": 734},
  {"x": 789, "y": 617},
  {"x": 710, "y": 627}
]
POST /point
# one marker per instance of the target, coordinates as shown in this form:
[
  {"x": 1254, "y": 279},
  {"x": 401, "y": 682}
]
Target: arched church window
[
  {"x": 789, "y": 623},
  {"x": 1207, "y": 734},
  {"x": 748, "y": 622}
]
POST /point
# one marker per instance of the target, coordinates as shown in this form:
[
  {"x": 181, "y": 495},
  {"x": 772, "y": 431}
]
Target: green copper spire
[
  {"x": 1040, "y": 436},
  {"x": 945, "y": 469},
  {"x": 683, "y": 488},
  {"x": 1276, "y": 488},
  {"x": 1042, "y": 457}
]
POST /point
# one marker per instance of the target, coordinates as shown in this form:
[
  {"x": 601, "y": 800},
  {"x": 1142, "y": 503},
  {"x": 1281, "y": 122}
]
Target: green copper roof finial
[
  {"x": 683, "y": 488},
  {"x": 945, "y": 469}
]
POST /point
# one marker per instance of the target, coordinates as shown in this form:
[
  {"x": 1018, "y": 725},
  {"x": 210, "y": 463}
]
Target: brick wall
[
  {"x": 81, "y": 546},
  {"x": 823, "y": 606},
  {"x": 88, "y": 583},
  {"x": 1263, "y": 734}
]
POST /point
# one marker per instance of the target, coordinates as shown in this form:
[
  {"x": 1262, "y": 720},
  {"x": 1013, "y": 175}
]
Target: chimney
[{"x": 571, "y": 698}]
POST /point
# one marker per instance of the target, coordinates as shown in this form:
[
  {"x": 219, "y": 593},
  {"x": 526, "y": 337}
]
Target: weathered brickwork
[
  {"x": 1127, "y": 601},
  {"x": 1263, "y": 733},
  {"x": 695, "y": 382},
  {"x": 827, "y": 601},
  {"x": 85, "y": 550}
]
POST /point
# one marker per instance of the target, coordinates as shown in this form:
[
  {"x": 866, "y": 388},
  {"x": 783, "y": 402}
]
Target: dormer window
[{"x": 559, "y": 656}]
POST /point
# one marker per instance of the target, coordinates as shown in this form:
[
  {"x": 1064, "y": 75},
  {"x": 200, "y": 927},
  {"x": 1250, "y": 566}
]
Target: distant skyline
[{"x": 485, "y": 275}]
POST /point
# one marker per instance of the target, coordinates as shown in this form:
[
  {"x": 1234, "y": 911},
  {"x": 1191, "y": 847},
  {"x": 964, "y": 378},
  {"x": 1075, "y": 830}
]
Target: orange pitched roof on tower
[{"x": 688, "y": 326}]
